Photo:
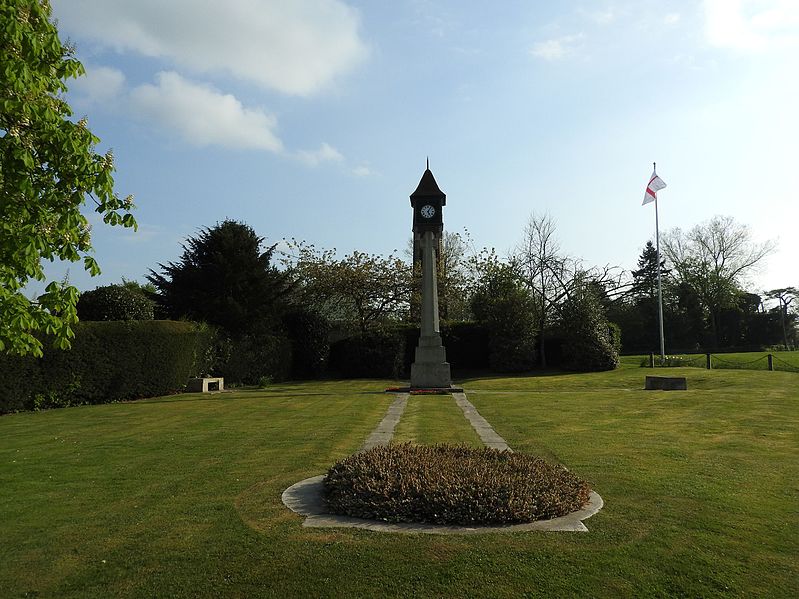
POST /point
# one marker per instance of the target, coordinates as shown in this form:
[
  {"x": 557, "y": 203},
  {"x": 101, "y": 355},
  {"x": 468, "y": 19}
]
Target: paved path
[
  {"x": 385, "y": 430},
  {"x": 487, "y": 434}
]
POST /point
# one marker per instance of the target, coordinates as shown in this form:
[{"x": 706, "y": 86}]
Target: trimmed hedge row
[
  {"x": 109, "y": 361},
  {"x": 253, "y": 359},
  {"x": 389, "y": 353},
  {"x": 375, "y": 354}
]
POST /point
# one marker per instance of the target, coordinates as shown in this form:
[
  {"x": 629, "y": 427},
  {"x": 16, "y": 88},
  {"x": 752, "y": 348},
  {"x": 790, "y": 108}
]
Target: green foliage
[
  {"x": 109, "y": 361},
  {"x": 714, "y": 259},
  {"x": 467, "y": 345},
  {"x": 48, "y": 168},
  {"x": 501, "y": 303},
  {"x": 450, "y": 484},
  {"x": 249, "y": 358},
  {"x": 223, "y": 278},
  {"x": 374, "y": 354},
  {"x": 614, "y": 331},
  {"x": 453, "y": 277},
  {"x": 645, "y": 278},
  {"x": 114, "y": 302},
  {"x": 588, "y": 344},
  {"x": 310, "y": 346},
  {"x": 363, "y": 291}
]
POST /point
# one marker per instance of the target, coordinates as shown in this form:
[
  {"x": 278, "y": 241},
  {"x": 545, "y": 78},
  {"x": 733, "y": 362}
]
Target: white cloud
[
  {"x": 99, "y": 85},
  {"x": 361, "y": 171},
  {"x": 325, "y": 153},
  {"x": 600, "y": 17},
  {"x": 556, "y": 48},
  {"x": 752, "y": 24},
  {"x": 203, "y": 115},
  {"x": 672, "y": 18},
  {"x": 296, "y": 47}
]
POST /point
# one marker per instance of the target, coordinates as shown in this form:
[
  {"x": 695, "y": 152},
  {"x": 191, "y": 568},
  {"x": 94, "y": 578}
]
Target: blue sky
[{"x": 312, "y": 119}]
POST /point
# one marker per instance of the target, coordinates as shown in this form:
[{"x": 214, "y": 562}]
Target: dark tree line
[
  {"x": 539, "y": 306},
  {"x": 706, "y": 305}
]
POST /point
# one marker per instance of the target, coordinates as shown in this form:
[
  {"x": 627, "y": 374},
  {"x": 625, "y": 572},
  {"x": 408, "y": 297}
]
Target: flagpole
[{"x": 660, "y": 291}]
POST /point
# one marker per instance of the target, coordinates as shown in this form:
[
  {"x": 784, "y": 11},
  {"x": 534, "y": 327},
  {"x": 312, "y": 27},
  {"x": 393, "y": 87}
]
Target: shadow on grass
[{"x": 488, "y": 375}]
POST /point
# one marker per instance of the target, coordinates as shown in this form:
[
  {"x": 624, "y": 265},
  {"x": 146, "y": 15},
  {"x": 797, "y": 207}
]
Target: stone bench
[
  {"x": 666, "y": 383},
  {"x": 205, "y": 385}
]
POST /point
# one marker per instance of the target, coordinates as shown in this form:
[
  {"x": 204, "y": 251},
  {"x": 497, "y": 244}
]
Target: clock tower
[{"x": 430, "y": 368}]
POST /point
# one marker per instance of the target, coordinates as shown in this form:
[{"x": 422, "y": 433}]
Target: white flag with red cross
[{"x": 655, "y": 184}]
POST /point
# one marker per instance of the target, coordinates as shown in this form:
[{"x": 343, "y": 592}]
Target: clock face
[{"x": 427, "y": 211}]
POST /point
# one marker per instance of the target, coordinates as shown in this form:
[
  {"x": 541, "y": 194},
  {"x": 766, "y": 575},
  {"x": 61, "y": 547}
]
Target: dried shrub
[{"x": 447, "y": 484}]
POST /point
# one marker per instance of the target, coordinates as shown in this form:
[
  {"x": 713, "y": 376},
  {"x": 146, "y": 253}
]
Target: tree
[
  {"x": 785, "y": 296},
  {"x": 645, "y": 279},
  {"x": 588, "y": 344},
  {"x": 48, "y": 169},
  {"x": 453, "y": 277},
  {"x": 543, "y": 269},
  {"x": 637, "y": 312},
  {"x": 551, "y": 276},
  {"x": 115, "y": 302},
  {"x": 225, "y": 279},
  {"x": 502, "y": 302},
  {"x": 362, "y": 290},
  {"x": 714, "y": 259}
]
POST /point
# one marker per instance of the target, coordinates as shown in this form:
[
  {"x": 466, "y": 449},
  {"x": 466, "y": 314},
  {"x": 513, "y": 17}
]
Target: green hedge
[
  {"x": 390, "y": 352},
  {"x": 109, "y": 361},
  {"x": 254, "y": 359},
  {"x": 467, "y": 345},
  {"x": 590, "y": 343},
  {"x": 310, "y": 345},
  {"x": 376, "y": 354}
]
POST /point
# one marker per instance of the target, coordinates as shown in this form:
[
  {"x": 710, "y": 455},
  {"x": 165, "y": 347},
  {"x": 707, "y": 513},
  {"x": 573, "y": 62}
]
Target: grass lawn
[
  {"x": 180, "y": 496},
  {"x": 430, "y": 419}
]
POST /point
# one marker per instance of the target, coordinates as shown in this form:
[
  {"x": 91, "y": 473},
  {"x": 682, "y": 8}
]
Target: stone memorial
[{"x": 430, "y": 369}]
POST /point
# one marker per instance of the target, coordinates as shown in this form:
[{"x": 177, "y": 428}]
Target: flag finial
[
  {"x": 654, "y": 166},
  {"x": 428, "y": 163}
]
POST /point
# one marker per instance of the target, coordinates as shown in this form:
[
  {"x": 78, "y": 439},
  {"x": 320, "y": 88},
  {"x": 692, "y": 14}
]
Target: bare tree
[
  {"x": 715, "y": 259},
  {"x": 550, "y": 275},
  {"x": 544, "y": 269}
]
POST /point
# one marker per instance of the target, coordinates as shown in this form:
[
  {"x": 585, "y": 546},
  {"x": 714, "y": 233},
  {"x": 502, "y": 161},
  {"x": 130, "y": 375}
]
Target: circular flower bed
[{"x": 448, "y": 484}]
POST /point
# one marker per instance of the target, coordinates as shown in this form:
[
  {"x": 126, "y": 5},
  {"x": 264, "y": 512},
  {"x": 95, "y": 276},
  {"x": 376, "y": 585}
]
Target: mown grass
[
  {"x": 430, "y": 419},
  {"x": 180, "y": 496}
]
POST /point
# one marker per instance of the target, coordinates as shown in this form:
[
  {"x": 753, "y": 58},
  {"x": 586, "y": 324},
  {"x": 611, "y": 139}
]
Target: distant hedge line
[
  {"x": 122, "y": 360},
  {"x": 109, "y": 361},
  {"x": 389, "y": 352}
]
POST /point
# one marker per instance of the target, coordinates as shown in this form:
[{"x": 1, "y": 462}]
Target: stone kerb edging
[{"x": 305, "y": 499}]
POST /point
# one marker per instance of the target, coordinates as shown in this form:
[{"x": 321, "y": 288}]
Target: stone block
[
  {"x": 205, "y": 385},
  {"x": 428, "y": 376},
  {"x": 666, "y": 383}
]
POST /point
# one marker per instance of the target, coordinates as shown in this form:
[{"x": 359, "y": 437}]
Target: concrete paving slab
[
  {"x": 385, "y": 430},
  {"x": 485, "y": 431}
]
